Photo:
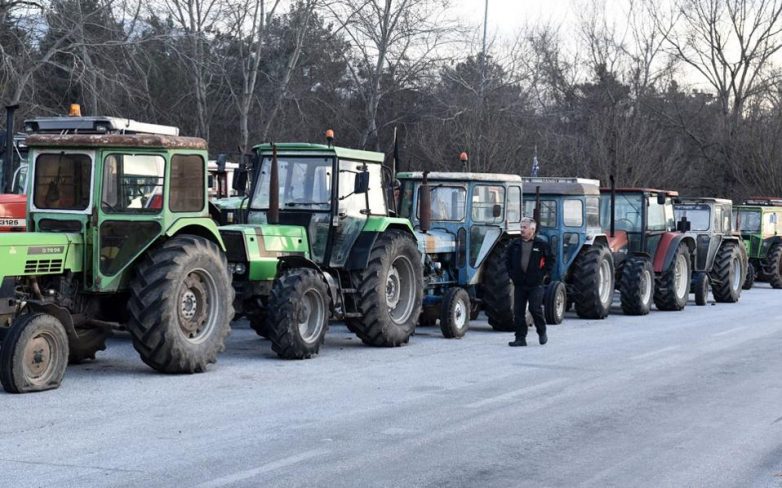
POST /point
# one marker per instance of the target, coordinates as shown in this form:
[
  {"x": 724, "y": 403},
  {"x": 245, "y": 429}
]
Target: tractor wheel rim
[
  {"x": 311, "y": 315},
  {"x": 646, "y": 286},
  {"x": 736, "y": 265},
  {"x": 400, "y": 290},
  {"x": 38, "y": 363},
  {"x": 459, "y": 314},
  {"x": 604, "y": 286},
  {"x": 680, "y": 276},
  {"x": 559, "y": 302},
  {"x": 198, "y": 306}
]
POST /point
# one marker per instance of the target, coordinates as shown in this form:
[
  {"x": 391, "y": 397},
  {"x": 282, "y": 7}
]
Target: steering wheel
[
  {"x": 105, "y": 204},
  {"x": 629, "y": 225}
]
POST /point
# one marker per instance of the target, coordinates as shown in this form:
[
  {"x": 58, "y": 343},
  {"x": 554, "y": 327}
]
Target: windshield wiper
[{"x": 296, "y": 204}]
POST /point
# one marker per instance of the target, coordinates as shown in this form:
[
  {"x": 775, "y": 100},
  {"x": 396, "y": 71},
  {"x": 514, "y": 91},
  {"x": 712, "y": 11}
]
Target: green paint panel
[
  {"x": 265, "y": 243},
  {"x": 40, "y": 253},
  {"x": 380, "y": 224}
]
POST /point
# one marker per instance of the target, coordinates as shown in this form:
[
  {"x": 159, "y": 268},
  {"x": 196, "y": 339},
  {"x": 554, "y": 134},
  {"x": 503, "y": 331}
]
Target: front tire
[
  {"x": 455, "y": 313},
  {"x": 554, "y": 302},
  {"x": 390, "y": 291},
  {"x": 181, "y": 305},
  {"x": 636, "y": 286},
  {"x": 749, "y": 280},
  {"x": 673, "y": 287},
  {"x": 34, "y": 354},
  {"x": 497, "y": 290},
  {"x": 727, "y": 273},
  {"x": 700, "y": 285},
  {"x": 773, "y": 269},
  {"x": 299, "y": 308},
  {"x": 593, "y": 281}
]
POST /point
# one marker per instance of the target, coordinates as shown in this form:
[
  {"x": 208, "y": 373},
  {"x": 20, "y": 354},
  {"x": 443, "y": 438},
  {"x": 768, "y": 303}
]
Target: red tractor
[
  {"x": 652, "y": 254},
  {"x": 13, "y": 173}
]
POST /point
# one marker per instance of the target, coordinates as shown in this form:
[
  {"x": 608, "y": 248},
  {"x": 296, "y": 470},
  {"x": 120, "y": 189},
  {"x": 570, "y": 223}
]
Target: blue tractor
[
  {"x": 567, "y": 212},
  {"x": 463, "y": 223}
]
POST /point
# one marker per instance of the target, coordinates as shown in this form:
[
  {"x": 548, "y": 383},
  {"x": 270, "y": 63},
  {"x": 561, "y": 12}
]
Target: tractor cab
[
  {"x": 13, "y": 175},
  {"x": 759, "y": 220}
]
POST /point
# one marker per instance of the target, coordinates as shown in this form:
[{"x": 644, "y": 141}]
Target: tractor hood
[
  {"x": 435, "y": 241},
  {"x": 12, "y": 212},
  {"x": 40, "y": 253},
  {"x": 261, "y": 245}
]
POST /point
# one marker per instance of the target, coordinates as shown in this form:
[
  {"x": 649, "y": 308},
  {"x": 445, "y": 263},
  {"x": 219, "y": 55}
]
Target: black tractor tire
[
  {"x": 260, "y": 326},
  {"x": 774, "y": 266},
  {"x": 749, "y": 280},
  {"x": 181, "y": 305},
  {"x": 497, "y": 293},
  {"x": 89, "y": 342},
  {"x": 455, "y": 313},
  {"x": 666, "y": 295},
  {"x": 727, "y": 274},
  {"x": 593, "y": 282},
  {"x": 475, "y": 311},
  {"x": 554, "y": 302},
  {"x": 636, "y": 286},
  {"x": 34, "y": 355},
  {"x": 390, "y": 291},
  {"x": 700, "y": 287},
  {"x": 298, "y": 316}
]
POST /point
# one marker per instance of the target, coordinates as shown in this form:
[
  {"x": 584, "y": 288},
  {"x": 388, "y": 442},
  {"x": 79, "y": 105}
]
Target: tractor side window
[
  {"x": 406, "y": 200},
  {"x": 573, "y": 213},
  {"x": 656, "y": 219},
  {"x": 514, "y": 204},
  {"x": 186, "y": 193},
  {"x": 749, "y": 220},
  {"x": 62, "y": 181},
  {"x": 19, "y": 186},
  {"x": 727, "y": 220},
  {"x": 718, "y": 219},
  {"x": 593, "y": 211},
  {"x": 132, "y": 183},
  {"x": 447, "y": 203},
  {"x": 484, "y": 200},
  {"x": 377, "y": 198},
  {"x": 769, "y": 223},
  {"x": 548, "y": 212}
]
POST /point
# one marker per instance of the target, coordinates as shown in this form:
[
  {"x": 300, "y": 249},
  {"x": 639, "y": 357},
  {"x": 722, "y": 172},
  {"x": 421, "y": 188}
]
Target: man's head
[{"x": 528, "y": 227}]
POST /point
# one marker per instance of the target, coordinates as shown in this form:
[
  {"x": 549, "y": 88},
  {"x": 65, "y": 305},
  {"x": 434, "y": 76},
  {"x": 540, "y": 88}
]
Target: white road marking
[
  {"x": 729, "y": 331},
  {"x": 655, "y": 352},
  {"x": 250, "y": 473},
  {"x": 515, "y": 393}
]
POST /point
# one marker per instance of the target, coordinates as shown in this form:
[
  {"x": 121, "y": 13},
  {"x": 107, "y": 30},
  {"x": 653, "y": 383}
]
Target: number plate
[{"x": 12, "y": 222}]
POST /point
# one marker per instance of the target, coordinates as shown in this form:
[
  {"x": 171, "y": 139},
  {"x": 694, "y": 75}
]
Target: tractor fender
[
  {"x": 359, "y": 254},
  {"x": 197, "y": 226},
  {"x": 295, "y": 261},
  {"x": 61, "y": 313},
  {"x": 666, "y": 249},
  {"x": 599, "y": 240}
]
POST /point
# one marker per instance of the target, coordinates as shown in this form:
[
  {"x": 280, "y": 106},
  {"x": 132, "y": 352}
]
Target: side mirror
[
  {"x": 661, "y": 198},
  {"x": 361, "y": 183},
  {"x": 683, "y": 225},
  {"x": 496, "y": 211}
]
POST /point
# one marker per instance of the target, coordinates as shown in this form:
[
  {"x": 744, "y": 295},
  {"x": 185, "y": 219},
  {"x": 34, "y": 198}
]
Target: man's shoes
[
  {"x": 518, "y": 343},
  {"x": 543, "y": 338}
]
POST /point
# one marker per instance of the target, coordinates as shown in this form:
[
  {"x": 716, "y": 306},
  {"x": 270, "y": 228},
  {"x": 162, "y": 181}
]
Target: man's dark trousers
[{"x": 521, "y": 297}]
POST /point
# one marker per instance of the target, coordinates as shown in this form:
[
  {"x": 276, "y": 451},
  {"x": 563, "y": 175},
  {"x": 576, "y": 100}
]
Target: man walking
[{"x": 529, "y": 261}]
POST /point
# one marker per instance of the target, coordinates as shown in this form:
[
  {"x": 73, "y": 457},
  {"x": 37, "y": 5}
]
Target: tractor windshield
[
  {"x": 748, "y": 220},
  {"x": 699, "y": 216},
  {"x": 628, "y": 216},
  {"x": 62, "y": 181},
  {"x": 304, "y": 183}
]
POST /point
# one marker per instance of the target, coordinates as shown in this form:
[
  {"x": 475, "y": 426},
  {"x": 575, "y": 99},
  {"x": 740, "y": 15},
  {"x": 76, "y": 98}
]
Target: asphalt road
[{"x": 688, "y": 398}]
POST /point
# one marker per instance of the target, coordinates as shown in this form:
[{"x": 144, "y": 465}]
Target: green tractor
[
  {"x": 315, "y": 241},
  {"x": 760, "y": 223},
  {"x": 119, "y": 238}
]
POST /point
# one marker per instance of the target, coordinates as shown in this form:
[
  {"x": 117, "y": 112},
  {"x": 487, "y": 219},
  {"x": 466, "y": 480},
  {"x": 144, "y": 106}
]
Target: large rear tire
[
  {"x": 181, "y": 305},
  {"x": 497, "y": 293},
  {"x": 593, "y": 282},
  {"x": 727, "y": 274},
  {"x": 554, "y": 302},
  {"x": 673, "y": 287},
  {"x": 298, "y": 315},
  {"x": 34, "y": 354},
  {"x": 773, "y": 271},
  {"x": 390, "y": 291},
  {"x": 636, "y": 286}
]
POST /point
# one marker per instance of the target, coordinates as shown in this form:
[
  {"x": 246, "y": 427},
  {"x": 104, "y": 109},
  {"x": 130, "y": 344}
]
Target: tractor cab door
[
  {"x": 131, "y": 211},
  {"x": 354, "y": 206},
  {"x": 487, "y": 218},
  {"x": 659, "y": 220}
]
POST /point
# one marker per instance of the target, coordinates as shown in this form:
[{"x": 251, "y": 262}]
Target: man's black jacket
[{"x": 541, "y": 262}]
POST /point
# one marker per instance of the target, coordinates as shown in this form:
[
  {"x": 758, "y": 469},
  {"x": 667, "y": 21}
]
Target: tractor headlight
[{"x": 237, "y": 268}]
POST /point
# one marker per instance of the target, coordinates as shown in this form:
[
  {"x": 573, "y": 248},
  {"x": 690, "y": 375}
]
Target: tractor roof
[
  {"x": 686, "y": 200},
  {"x": 562, "y": 186},
  {"x": 669, "y": 193},
  {"x": 155, "y": 141},
  {"x": 95, "y": 125},
  {"x": 340, "y": 152},
  {"x": 764, "y": 201},
  {"x": 448, "y": 176}
]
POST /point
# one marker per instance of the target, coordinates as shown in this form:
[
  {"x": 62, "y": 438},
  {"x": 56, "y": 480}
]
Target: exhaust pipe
[
  {"x": 426, "y": 204},
  {"x": 536, "y": 212},
  {"x": 273, "y": 215},
  {"x": 613, "y": 204},
  {"x": 8, "y": 163}
]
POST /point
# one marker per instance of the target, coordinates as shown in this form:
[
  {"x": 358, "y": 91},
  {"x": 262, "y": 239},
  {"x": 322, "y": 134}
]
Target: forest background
[{"x": 678, "y": 94}]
